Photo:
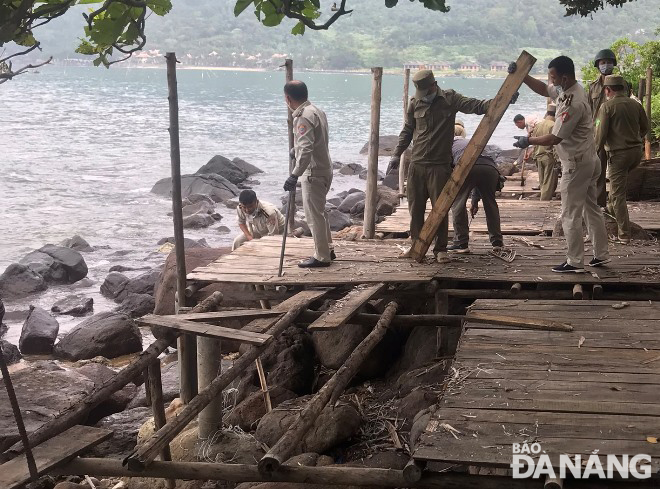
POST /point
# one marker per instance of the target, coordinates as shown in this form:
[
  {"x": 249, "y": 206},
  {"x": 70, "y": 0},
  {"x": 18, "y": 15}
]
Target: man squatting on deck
[
  {"x": 256, "y": 218},
  {"x": 313, "y": 164},
  {"x": 573, "y": 136}
]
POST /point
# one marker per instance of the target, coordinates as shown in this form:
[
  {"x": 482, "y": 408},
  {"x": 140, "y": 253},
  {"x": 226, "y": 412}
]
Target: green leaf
[
  {"x": 84, "y": 2},
  {"x": 298, "y": 29},
  {"x": 25, "y": 39},
  {"x": 97, "y": 61},
  {"x": 391, "y": 3},
  {"x": 160, "y": 7},
  {"x": 240, "y": 6},
  {"x": 268, "y": 9},
  {"x": 316, "y": 3},
  {"x": 272, "y": 20},
  {"x": 311, "y": 13},
  {"x": 436, "y": 5}
]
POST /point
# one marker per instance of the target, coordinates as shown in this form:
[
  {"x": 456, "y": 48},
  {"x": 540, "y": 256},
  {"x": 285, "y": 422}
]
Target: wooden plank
[
  {"x": 474, "y": 148},
  {"x": 203, "y": 329},
  {"x": 51, "y": 453},
  {"x": 304, "y": 297},
  {"x": 218, "y": 316},
  {"x": 344, "y": 309}
]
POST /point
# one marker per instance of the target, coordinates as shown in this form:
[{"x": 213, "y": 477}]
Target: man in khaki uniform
[
  {"x": 604, "y": 61},
  {"x": 545, "y": 158},
  {"x": 621, "y": 125},
  {"x": 430, "y": 126},
  {"x": 313, "y": 164},
  {"x": 573, "y": 137},
  {"x": 256, "y": 218}
]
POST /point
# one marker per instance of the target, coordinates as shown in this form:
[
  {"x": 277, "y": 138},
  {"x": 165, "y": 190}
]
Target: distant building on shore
[
  {"x": 469, "y": 67},
  {"x": 435, "y": 66},
  {"x": 498, "y": 66}
]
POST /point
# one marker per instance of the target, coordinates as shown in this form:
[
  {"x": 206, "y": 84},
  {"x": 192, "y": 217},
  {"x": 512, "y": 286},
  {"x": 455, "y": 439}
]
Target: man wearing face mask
[
  {"x": 604, "y": 61},
  {"x": 573, "y": 136},
  {"x": 256, "y": 218},
  {"x": 313, "y": 164},
  {"x": 430, "y": 124}
]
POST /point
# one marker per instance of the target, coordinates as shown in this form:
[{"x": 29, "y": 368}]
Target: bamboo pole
[
  {"x": 147, "y": 452},
  {"x": 186, "y": 344},
  {"x": 649, "y": 86},
  {"x": 291, "y": 439},
  {"x": 372, "y": 165},
  {"x": 402, "y": 160},
  {"x": 288, "y": 67},
  {"x": 158, "y": 408}
]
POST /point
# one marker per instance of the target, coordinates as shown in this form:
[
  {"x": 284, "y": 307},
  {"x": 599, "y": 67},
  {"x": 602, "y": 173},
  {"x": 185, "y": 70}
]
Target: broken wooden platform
[
  {"x": 375, "y": 261},
  {"x": 592, "y": 390}
]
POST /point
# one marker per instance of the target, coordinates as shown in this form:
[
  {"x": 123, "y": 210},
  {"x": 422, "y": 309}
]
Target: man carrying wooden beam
[
  {"x": 430, "y": 124},
  {"x": 573, "y": 135}
]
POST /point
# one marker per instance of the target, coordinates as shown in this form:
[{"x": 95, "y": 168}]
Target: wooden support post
[
  {"x": 412, "y": 472},
  {"x": 186, "y": 343},
  {"x": 640, "y": 89},
  {"x": 553, "y": 483},
  {"x": 372, "y": 165},
  {"x": 209, "y": 366},
  {"x": 649, "y": 92},
  {"x": 476, "y": 145},
  {"x": 290, "y": 441},
  {"x": 158, "y": 407},
  {"x": 597, "y": 292},
  {"x": 578, "y": 293},
  {"x": 147, "y": 387},
  {"x": 18, "y": 417},
  {"x": 402, "y": 160},
  {"x": 264, "y": 385},
  {"x": 288, "y": 67},
  {"x": 147, "y": 452},
  {"x": 516, "y": 288}
]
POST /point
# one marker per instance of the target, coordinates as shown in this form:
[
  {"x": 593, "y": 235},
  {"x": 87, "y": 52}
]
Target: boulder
[
  {"x": 39, "y": 332},
  {"x": 201, "y": 207},
  {"x": 125, "y": 426},
  {"x": 351, "y": 169},
  {"x": 379, "y": 176},
  {"x": 413, "y": 403},
  {"x": 251, "y": 409},
  {"x": 11, "y": 353},
  {"x": 386, "y": 145},
  {"x": 137, "y": 305},
  {"x": 350, "y": 200},
  {"x": 429, "y": 375},
  {"x": 108, "y": 334},
  {"x": 336, "y": 165},
  {"x": 73, "y": 305},
  {"x": 219, "y": 165},
  {"x": 334, "y": 201},
  {"x": 198, "y": 221},
  {"x": 170, "y": 379},
  {"x": 285, "y": 200},
  {"x": 246, "y": 167},
  {"x": 421, "y": 348},
  {"x": 77, "y": 243},
  {"x": 45, "y": 265},
  {"x": 113, "y": 284},
  {"x": 70, "y": 260},
  {"x": 338, "y": 220},
  {"x": 215, "y": 186},
  {"x": 223, "y": 230},
  {"x": 42, "y": 393},
  {"x": 391, "y": 180},
  {"x": 117, "y": 402},
  {"x": 388, "y": 200},
  {"x": 507, "y": 168},
  {"x": 19, "y": 281},
  {"x": 333, "y": 426},
  {"x": 358, "y": 209},
  {"x": 3, "y": 329},
  {"x": 195, "y": 199},
  {"x": 142, "y": 284},
  {"x": 187, "y": 242},
  {"x": 232, "y": 204}
]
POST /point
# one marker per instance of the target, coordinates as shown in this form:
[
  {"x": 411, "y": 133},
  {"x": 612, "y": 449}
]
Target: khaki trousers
[
  {"x": 548, "y": 176},
  {"x": 426, "y": 182},
  {"x": 620, "y": 163},
  {"x": 314, "y": 192},
  {"x": 602, "y": 179},
  {"x": 578, "y": 202}
]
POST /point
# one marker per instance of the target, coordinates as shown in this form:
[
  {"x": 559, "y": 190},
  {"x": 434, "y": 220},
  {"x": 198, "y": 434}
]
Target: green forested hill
[{"x": 474, "y": 30}]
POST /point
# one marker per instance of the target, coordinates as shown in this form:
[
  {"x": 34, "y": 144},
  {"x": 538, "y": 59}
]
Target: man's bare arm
[
  {"x": 536, "y": 85},
  {"x": 547, "y": 140}
]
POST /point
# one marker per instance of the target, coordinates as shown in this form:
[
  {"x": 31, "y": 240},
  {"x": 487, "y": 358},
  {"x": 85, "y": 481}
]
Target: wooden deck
[
  {"x": 524, "y": 217},
  {"x": 375, "y": 261},
  {"x": 593, "y": 390}
]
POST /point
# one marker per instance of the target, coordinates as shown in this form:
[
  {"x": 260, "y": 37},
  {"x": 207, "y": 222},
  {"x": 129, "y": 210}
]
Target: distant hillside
[{"x": 474, "y": 30}]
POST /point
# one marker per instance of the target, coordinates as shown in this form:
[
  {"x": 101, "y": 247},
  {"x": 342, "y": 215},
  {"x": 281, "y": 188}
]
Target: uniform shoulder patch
[
  {"x": 597, "y": 123},
  {"x": 565, "y": 116},
  {"x": 302, "y": 129}
]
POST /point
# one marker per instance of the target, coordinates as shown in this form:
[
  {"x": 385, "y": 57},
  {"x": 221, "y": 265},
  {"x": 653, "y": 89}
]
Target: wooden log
[
  {"x": 372, "y": 163},
  {"x": 408, "y": 321},
  {"x": 472, "y": 151},
  {"x": 146, "y": 453},
  {"x": 158, "y": 408},
  {"x": 578, "y": 292},
  {"x": 649, "y": 97},
  {"x": 344, "y": 309},
  {"x": 640, "y": 89},
  {"x": 597, "y": 292},
  {"x": 209, "y": 366},
  {"x": 553, "y": 483},
  {"x": 264, "y": 385},
  {"x": 516, "y": 288},
  {"x": 412, "y": 472},
  {"x": 288, "y": 443},
  {"x": 288, "y": 69},
  {"x": 402, "y": 160}
]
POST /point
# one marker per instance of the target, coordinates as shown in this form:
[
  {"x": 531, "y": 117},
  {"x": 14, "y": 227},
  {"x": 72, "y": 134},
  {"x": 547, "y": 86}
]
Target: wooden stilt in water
[
  {"x": 578, "y": 292},
  {"x": 157, "y": 405},
  {"x": 402, "y": 160},
  {"x": 649, "y": 86},
  {"x": 209, "y": 366},
  {"x": 372, "y": 165}
]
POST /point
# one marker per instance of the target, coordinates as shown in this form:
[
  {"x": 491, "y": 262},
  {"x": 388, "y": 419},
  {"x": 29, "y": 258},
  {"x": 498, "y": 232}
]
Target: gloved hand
[
  {"x": 474, "y": 208},
  {"x": 395, "y": 161},
  {"x": 513, "y": 66},
  {"x": 290, "y": 183},
  {"x": 521, "y": 142},
  {"x": 514, "y": 99},
  {"x": 292, "y": 153}
]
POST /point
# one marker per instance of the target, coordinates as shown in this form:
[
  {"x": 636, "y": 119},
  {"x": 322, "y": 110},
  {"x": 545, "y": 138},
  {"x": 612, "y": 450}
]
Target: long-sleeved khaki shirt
[
  {"x": 597, "y": 95},
  {"x": 541, "y": 129},
  {"x": 310, "y": 134},
  {"x": 621, "y": 124},
  {"x": 430, "y": 127}
]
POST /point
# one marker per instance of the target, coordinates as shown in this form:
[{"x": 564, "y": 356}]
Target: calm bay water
[{"x": 82, "y": 147}]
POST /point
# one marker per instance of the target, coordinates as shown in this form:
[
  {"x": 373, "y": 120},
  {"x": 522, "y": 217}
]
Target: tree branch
[
  {"x": 8, "y": 75},
  {"x": 310, "y": 23},
  {"x": 21, "y": 53}
]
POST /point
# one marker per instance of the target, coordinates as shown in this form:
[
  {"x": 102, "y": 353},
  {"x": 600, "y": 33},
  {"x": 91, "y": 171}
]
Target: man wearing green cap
[
  {"x": 620, "y": 126},
  {"x": 430, "y": 124}
]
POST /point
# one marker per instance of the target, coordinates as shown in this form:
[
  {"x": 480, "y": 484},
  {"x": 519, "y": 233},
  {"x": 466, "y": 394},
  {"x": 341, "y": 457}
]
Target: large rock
[
  {"x": 187, "y": 242},
  {"x": 388, "y": 200},
  {"x": 11, "y": 353},
  {"x": 74, "y": 305},
  {"x": 198, "y": 221},
  {"x": 39, "y": 333},
  {"x": 391, "y": 180},
  {"x": 364, "y": 173},
  {"x": 246, "y": 167},
  {"x": 421, "y": 348},
  {"x": 70, "y": 260},
  {"x": 386, "y": 145},
  {"x": 42, "y": 393},
  {"x": 200, "y": 207},
  {"x": 125, "y": 426},
  {"x": 215, "y": 186},
  {"x": 45, "y": 265},
  {"x": 220, "y": 165},
  {"x": 246, "y": 414},
  {"x": 338, "y": 220},
  {"x": 113, "y": 284},
  {"x": 108, "y": 334},
  {"x": 350, "y": 200},
  {"x": 77, "y": 243},
  {"x": 100, "y": 374},
  {"x": 137, "y": 305},
  {"x": 117, "y": 286},
  {"x": 334, "y": 425},
  {"x": 351, "y": 169},
  {"x": 19, "y": 281}
]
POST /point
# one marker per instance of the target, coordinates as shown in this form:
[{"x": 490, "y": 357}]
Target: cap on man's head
[
  {"x": 613, "y": 81},
  {"x": 459, "y": 123},
  {"x": 423, "y": 81}
]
